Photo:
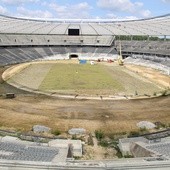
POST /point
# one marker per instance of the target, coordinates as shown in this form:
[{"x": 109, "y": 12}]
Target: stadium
[{"x": 93, "y": 74}]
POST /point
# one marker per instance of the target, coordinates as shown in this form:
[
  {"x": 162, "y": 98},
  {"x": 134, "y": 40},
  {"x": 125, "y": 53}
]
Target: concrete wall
[{"x": 137, "y": 150}]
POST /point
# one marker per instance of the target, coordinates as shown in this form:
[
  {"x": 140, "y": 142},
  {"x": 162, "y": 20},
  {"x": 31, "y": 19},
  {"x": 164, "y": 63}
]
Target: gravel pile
[
  {"x": 146, "y": 124},
  {"x": 77, "y": 131},
  {"x": 41, "y": 129}
]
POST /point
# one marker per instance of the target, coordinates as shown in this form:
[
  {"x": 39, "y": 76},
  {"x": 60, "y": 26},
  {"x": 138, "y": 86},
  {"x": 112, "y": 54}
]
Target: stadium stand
[
  {"x": 151, "y": 144},
  {"x": 161, "y": 148},
  {"x": 12, "y": 55},
  {"x": 27, "y": 39},
  {"x": 138, "y": 60},
  {"x": 16, "y": 151},
  {"x": 159, "y": 48},
  {"x": 23, "y": 40},
  {"x": 155, "y": 54},
  {"x": 152, "y": 26}
]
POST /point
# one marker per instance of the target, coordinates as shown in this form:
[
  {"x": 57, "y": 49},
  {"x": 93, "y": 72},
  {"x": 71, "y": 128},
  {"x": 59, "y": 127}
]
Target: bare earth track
[{"x": 111, "y": 116}]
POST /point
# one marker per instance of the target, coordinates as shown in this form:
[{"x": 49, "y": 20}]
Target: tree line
[{"x": 139, "y": 38}]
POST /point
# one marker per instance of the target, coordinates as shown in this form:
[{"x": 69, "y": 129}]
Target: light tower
[{"x": 120, "y": 58}]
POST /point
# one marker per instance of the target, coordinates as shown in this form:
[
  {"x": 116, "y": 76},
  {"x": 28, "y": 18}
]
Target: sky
[{"x": 85, "y": 9}]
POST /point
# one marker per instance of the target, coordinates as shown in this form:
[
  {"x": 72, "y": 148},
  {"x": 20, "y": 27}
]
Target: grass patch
[
  {"x": 79, "y": 77},
  {"x": 56, "y": 132},
  {"x": 99, "y": 134}
]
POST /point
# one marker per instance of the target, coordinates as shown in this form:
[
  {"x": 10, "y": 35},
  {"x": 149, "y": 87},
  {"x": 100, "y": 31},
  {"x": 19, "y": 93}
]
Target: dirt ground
[
  {"x": 111, "y": 116},
  {"x": 98, "y": 153},
  {"x": 151, "y": 74}
]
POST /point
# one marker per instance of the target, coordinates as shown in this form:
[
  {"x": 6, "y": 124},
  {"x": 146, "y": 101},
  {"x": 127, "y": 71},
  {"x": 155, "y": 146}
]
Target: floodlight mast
[
  {"x": 120, "y": 49},
  {"x": 120, "y": 58}
]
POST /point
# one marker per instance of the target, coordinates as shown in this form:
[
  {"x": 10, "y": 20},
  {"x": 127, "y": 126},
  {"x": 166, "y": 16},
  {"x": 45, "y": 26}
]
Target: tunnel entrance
[{"x": 73, "y": 56}]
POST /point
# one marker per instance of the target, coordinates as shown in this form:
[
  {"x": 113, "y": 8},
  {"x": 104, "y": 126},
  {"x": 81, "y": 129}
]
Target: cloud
[
  {"x": 145, "y": 13},
  {"x": 124, "y": 6},
  {"x": 118, "y": 5},
  {"x": 22, "y": 12},
  {"x": 16, "y": 2},
  {"x": 3, "y": 10},
  {"x": 166, "y": 1},
  {"x": 80, "y": 10},
  {"x": 115, "y": 17}
]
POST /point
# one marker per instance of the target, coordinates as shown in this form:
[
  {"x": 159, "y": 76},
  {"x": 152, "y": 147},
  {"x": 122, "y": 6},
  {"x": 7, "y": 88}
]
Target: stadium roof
[{"x": 157, "y": 26}]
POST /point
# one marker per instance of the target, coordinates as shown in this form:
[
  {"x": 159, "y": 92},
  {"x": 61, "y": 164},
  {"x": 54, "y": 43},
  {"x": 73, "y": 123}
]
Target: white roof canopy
[{"x": 157, "y": 26}]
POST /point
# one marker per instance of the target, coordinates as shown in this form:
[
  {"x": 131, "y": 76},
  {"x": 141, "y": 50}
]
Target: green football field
[
  {"x": 64, "y": 77},
  {"x": 80, "y": 78}
]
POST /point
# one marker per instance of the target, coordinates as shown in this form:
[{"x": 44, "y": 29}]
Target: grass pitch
[
  {"x": 66, "y": 77},
  {"x": 77, "y": 78},
  {"x": 97, "y": 79}
]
